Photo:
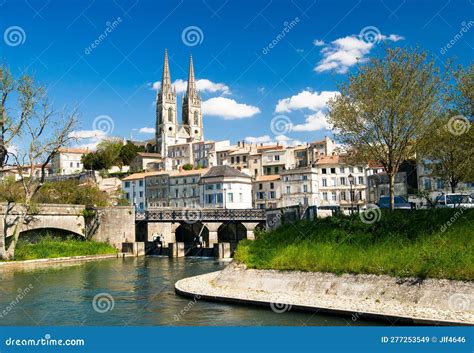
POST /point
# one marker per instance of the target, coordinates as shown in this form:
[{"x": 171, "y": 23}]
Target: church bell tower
[{"x": 192, "y": 114}]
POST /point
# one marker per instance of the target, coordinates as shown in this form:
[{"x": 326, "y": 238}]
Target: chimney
[
  {"x": 238, "y": 143},
  {"x": 261, "y": 144},
  {"x": 243, "y": 143}
]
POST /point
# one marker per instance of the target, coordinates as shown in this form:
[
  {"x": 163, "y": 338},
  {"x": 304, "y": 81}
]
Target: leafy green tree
[
  {"x": 128, "y": 152},
  {"x": 187, "y": 166},
  {"x": 389, "y": 109}
]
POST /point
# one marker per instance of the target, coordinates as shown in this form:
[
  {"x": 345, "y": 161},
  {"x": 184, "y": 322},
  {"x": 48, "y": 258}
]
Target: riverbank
[
  {"x": 50, "y": 247},
  {"x": 435, "y": 243},
  {"x": 432, "y": 301}
]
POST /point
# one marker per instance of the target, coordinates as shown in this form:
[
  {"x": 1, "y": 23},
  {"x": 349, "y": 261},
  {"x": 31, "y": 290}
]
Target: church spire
[
  {"x": 191, "y": 81},
  {"x": 166, "y": 79}
]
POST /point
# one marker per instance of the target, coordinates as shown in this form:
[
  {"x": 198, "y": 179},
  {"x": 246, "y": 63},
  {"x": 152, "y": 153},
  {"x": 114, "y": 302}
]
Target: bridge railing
[{"x": 198, "y": 214}]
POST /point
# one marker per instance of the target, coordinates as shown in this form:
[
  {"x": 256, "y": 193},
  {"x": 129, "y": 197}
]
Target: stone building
[
  {"x": 266, "y": 191},
  {"x": 68, "y": 161}
]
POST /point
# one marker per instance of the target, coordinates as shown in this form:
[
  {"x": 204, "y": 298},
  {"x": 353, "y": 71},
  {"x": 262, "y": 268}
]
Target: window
[
  {"x": 170, "y": 115},
  {"x": 196, "y": 118},
  {"x": 127, "y": 184},
  {"x": 325, "y": 196},
  {"x": 218, "y": 186},
  {"x": 277, "y": 157},
  {"x": 176, "y": 193},
  {"x": 305, "y": 188},
  {"x": 342, "y": 180},
  {"x": 241, "y": 197},
  {"x": 238, "y": 159},
  {"x": 260, "y": 186},
  {"x": 141, "y": 205},
  {"x": 219, "y": 198},
  {"x": 440, "y": 184},
  {"x": 342, "y": 196},
  {"x": 427, "y": 184},
  {"x": 272, "y": 186},
  {"x": 323, "y": 171},
  {"x": 361, "y": 180},
  {"x": 334, "y": 196},
  {"x": 286, "y": 178},
  {"x": 305, "y": 177},
  {"x": 288, "y": 190},
  {"x": 255, "y": 172},
  {"x": 277, "y": 169},
  {"x": 232, "y": 160},
  {"x": 140, "y": 194},
  {"x": 230, "y": 197},
  {"x": 341, "y": 170},
  {"x": 244, "y": 158},
  {"x": 78, "y": 165},
  {"x": 333, "y": 181},
  {"x": 351, "y": 169},
  {"x": 325, "y": 182},
  {"x": 268, "y": 170},
  {"x": 333, "y": 170},
  {"x": 210, "y": 187},
  {"x": 70, "y": 164},
  {"x": 260, "y": 195},
  {"x": 272, "y": 194},
  {"x": 360, "y": 195},
  {"x": 127, "y": 195},
  {"x": 361, "y": 170},
  {"x": 140, "y": 183}
]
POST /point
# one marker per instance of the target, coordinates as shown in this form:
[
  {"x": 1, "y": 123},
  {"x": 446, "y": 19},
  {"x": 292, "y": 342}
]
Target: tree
[
  {"x": 38, "y": 132},
  {"x": 451, "y": 154},
  {"x": 388, "y": 109},
  {"x": 187, "y": 166},
  {"x": 128, "y": 152}
]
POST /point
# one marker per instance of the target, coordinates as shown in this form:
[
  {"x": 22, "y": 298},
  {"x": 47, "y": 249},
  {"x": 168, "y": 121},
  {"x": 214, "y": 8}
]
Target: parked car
[
  {"x": 455, "y": 201},
  {"x": 400, "y": 203}
]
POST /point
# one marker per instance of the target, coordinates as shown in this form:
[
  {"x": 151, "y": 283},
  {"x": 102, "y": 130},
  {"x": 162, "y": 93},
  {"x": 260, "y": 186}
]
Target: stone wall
[{"x": 116, "y": 225}]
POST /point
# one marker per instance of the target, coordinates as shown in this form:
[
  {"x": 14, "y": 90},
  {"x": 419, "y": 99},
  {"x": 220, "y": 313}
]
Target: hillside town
[{"x": 179, "y": 168}]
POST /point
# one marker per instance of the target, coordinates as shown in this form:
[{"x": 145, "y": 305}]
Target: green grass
[
  {"x": 49, "y": 247},
  {"x": 402, "y": 244}
]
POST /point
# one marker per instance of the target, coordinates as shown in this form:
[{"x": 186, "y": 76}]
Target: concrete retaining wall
[{"x": 368, "y": 296}]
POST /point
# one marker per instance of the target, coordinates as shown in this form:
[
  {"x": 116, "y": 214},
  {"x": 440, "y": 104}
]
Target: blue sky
[{"x": 245, "y": 83}]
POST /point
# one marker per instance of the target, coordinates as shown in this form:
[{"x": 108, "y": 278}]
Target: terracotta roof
[
  {"x": 176, "y": 173},
  {"x": 329, "y": 160},
  {"x": 136, "y": 176},
  {"x": 373, "y": 164},
  {"x": 238, "y": 152},
  {"x": 74, "y": 150},
  {"x": 267, "y": 178},
  {"x": 270, "y": 147}
]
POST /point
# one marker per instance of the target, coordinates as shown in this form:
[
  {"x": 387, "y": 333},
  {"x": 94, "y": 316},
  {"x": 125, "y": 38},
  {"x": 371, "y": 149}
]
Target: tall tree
[
  {"x": 388, "y": 109},
  {"x": 451, "y": 154},
  {"x": 38, "y": 133}
]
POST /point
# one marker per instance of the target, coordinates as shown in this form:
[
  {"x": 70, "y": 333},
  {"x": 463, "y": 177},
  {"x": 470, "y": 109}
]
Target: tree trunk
[
  {"x": 453, "y": 187},
  {"x": 392, "y": 190}
]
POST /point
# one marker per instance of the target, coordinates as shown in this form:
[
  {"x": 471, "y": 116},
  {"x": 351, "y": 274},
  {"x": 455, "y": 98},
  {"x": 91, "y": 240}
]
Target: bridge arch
[
  {"x": 187, "y": 233},
  {"x": 34, "y": 233},
  {"x": 231, "y": 232}
]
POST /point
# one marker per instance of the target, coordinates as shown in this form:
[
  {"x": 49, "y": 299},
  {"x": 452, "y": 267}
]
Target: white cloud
[
  {"x": 318, "y": 43},
  {"x": 203, "y": 85},
  {"x": 259, "y": 139},
  {"x": 305, "y": 100},
  {"x": 345, "y": 52},
  {"x": 267, "y": 140},
  {"x": 228, "y": 108},
  {"x": 147, "y": 130},
  {"x": 313, "y": 122}
]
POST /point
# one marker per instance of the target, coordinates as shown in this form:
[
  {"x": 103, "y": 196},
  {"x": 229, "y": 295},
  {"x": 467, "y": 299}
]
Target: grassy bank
[
  {"x": 405, "y": 244},
  {"x": 49, "y": 247}
]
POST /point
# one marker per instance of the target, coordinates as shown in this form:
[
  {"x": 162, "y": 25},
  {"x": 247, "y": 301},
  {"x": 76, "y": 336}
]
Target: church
[{"x": 168, "y": 130}]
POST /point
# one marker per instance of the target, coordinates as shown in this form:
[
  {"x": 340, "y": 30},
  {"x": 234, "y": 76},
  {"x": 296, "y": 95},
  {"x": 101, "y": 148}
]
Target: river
[{"x": 130, "y": 292}]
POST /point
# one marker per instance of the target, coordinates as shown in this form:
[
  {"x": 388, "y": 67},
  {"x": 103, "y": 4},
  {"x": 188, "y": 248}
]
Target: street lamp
[{"x": 351, "y": 181}]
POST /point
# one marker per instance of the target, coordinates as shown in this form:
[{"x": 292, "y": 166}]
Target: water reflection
[{"x": 143, "y": 294}]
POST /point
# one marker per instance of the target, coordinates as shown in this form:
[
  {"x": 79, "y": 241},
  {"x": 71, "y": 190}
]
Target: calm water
[{"x": 143, "y": 294}]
